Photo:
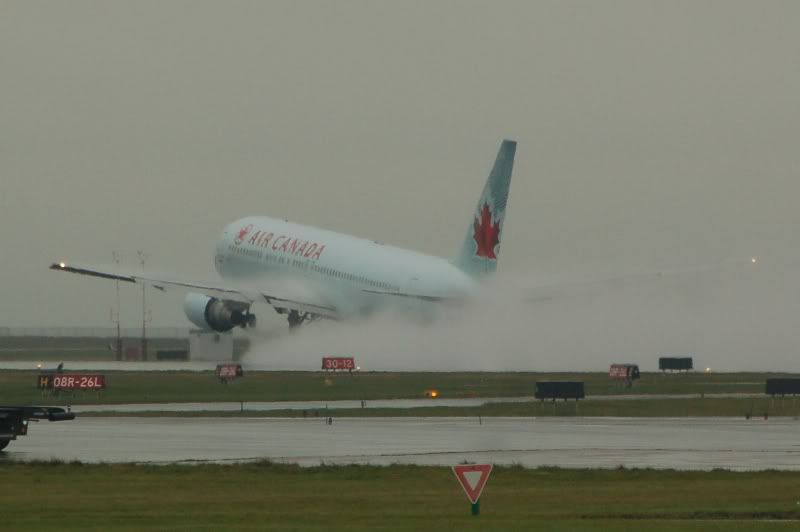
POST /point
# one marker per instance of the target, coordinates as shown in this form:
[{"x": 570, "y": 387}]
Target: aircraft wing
[{"x": 222, "y": 290}]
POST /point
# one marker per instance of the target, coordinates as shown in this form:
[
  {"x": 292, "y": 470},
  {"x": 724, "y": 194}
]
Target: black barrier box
[
  {"x": 559, "y": 390},
  {"x": 675, "y": 363},
  {"x": 784, "y": 386}
]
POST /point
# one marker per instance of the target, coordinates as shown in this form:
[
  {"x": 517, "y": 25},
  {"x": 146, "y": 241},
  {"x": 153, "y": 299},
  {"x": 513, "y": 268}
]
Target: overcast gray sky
[{"x": 650, "y": 133}]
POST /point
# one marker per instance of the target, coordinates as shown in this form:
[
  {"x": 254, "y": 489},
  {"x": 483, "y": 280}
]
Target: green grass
[
  {"x": 19, "y": 387},
  {"x": 264, "y": 496}
]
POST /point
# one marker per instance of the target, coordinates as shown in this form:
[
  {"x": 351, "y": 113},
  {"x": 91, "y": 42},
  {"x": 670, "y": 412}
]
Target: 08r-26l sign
[{"x": 73, "y": 381}]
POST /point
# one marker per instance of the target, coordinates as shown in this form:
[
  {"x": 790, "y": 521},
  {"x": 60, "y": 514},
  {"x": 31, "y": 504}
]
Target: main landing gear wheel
[{"x": 296, "y": 318}]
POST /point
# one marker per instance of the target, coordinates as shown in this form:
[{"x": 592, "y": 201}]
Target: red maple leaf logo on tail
[{"x": 487, "y": 234}]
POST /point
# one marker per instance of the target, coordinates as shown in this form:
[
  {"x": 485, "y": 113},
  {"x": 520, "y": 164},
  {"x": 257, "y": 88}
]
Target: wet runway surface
[
  {"x": 680, "y": 443},
  {"x": 293, "y": 405},
  {"x": 373, "y": 403}
]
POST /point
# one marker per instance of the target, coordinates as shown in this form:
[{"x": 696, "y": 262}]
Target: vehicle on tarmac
[{"x": 14, "y": 420}]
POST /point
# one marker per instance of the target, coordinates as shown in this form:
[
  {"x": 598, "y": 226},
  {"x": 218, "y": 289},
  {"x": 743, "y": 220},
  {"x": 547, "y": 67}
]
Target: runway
[
  {"x": 319, "y": 405},
  {"x": 672, "y": 443},
  {"x": 263, "y": 406}
]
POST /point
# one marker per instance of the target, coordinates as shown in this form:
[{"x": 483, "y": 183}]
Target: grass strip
[
  {"x": 19, "y": 387},
  {"x": 268, "y": 496}
]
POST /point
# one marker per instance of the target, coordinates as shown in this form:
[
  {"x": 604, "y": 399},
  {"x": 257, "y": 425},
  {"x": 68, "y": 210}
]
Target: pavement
[
  {"x": 321, "y": 405},
  {"x": 661, "y": 443}
]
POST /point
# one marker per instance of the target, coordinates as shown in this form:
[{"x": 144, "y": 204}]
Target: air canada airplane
[{"x": 260, "y": 259}]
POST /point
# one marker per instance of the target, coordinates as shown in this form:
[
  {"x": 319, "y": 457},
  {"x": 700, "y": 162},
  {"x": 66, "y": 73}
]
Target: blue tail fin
[{"x": 478, "y": 256}]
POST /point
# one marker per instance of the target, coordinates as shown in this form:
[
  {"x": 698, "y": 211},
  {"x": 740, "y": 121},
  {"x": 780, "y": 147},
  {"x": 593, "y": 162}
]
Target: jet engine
[{"x": 219, "y": 315}]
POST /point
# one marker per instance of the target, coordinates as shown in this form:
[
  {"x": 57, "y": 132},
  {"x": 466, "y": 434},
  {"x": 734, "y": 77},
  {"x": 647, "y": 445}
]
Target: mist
[
  {"x": 649, "y": 132},
  {"x": 731, "y": 318}
]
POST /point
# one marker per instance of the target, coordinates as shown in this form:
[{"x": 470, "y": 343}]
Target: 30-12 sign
[
  {"x": 336, "y": 363},
  {"x": 74, "y": 381}
]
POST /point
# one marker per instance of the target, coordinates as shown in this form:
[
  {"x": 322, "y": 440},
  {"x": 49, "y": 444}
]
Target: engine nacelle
[{"x": 214, "y": 314}]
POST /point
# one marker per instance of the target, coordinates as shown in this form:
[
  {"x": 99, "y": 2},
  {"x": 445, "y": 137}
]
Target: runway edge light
[{"x": 472, "y": 478}]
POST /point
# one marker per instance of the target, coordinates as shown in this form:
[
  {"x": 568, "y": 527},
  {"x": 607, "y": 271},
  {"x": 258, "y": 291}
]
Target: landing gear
[
  {"x": 296, "y": 319},
  {"x": 4, "y": 444}
]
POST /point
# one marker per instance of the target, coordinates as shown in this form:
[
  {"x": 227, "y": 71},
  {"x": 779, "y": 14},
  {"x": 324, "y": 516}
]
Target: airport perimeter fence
[{"x": 93, "y": 332}]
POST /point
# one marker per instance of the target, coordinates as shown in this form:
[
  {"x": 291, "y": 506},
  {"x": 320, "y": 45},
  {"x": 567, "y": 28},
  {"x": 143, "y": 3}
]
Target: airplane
[{"x": 341, "y": 275}]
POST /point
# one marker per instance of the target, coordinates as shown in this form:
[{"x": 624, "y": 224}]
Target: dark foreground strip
[{"x": 791, "y": 515}]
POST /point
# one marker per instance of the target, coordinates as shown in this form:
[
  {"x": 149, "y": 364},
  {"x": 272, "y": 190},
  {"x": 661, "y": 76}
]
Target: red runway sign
[
  {"x": 472, "y": 478},
  {"x": 227, "y": 372},
  {"x": 623, "y": 371},
  {"x": 73, "y": 381},
  {"x": 336, "y": 363}
]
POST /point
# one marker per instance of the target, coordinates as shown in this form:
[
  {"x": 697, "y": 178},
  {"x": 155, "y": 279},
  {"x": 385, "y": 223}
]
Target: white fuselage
[{"x": 354, "y": 273}]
